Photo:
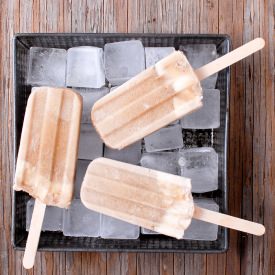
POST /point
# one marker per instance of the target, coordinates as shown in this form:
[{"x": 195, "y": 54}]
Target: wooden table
[{"x": 251, "y": 171}]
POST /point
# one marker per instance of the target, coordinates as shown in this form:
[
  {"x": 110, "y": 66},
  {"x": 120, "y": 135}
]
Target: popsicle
[
  {"x": 47, "y": 155},
  {"x": 154, "y": 200},
  {"x": 157, "y": 96}
]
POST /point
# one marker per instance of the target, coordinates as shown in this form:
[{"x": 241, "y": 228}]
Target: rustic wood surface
[{"x": 251, "y": 170}]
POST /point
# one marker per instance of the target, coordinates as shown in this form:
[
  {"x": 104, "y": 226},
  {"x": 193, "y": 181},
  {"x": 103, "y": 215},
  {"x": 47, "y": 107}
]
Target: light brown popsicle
[
  {"x": 47, "y": 155},
  {"x": 154, "y": 200},
  {"x": 152, "y": 99},
  {"x": 157, "y": 96},
  {"x": 48, "y": 148}
]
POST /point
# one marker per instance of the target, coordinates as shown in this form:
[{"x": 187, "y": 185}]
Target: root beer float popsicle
[
  {"x": 47, "y": 155},
  {"x": 154, "y": 200},
  {"x": 157, "y": 96}
]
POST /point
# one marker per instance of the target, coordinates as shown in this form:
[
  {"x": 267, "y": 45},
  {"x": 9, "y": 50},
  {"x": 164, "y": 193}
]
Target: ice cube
[
  {"x": 111, "y": 228},
  {"x": 90, "y": 144},
  {"x": 53, "y": 218},
  {"x": 90, "y": 96},
  {"x": 199, "y": 55},
  {"x": 164, "y": 139},
  {"x": 123, "y": 60},
  {"x": 208, "y": 116},
  {"x": 201, "y": 166},
  {"x": 161, "y": 161},
  {"x": 79, "y": 221},
  {"x": 47, "y": 67},
  {"x": 81, "y": 168},
  {"x": 155, "y": 54},
  {"x": 130, "y": 154},
  {"x": 85, "y": 67},
  {"x": 198, "y": 230}
]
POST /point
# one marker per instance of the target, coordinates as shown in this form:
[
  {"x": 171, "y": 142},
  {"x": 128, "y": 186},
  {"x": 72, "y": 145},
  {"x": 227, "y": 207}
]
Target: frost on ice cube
[
  {"x": 53, "y": 218},
  {"x": 123, "y": 60},
  {"x": 47, "y": 67},
  {"x": 155, "y": 54},
  {"x": 130, "y": 154},
  {"x": 81, "y": 168},
  {"x": 199, "y": 55},
  {"x": 85, "y": 67},
  {"x": 201, "y": 166},
  {"x": 161, "y": 161},
  {"x": 90, "y": 144},
  {"x": 90, "y": 96},
  {"x": 112, "y": 228},
  {"x": 79, "y": 221},
  {"x": 167, "y": 138},
  {"x": 208, "y": 116}
]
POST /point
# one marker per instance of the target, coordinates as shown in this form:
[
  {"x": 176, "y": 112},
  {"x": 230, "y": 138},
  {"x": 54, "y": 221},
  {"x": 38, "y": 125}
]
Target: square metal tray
[{"x": 217, "y": 138}]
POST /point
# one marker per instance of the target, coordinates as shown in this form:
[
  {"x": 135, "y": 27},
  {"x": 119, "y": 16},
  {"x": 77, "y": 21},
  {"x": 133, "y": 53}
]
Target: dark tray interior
[{"x": 56, "y": 241}]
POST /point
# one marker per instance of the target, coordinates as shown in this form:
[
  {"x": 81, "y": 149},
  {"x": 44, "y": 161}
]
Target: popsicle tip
[
  {"x": 261, "y": 230},
  {"x": 27, "y": 263},
  {"x": 261, "y": 42}
]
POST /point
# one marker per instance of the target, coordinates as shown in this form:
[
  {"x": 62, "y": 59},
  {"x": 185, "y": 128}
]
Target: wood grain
[{"x": 251, "y": 162}]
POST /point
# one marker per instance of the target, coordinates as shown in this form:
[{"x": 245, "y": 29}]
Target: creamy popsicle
[
  {"x": 154, "y": 200},
  {"x": 157, "y": 96},
  {"x": 48, "y": 148},
  {"x": 47, "y": 154},
  {"x": 154, "y": 98}
]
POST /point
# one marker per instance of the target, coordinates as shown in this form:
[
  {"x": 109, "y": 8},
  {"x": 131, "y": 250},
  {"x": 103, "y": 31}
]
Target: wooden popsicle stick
[
  {"x": 228, "y": 221},
  {"x": 230, "y": 58},
  {"x": 34, "y": 234}
]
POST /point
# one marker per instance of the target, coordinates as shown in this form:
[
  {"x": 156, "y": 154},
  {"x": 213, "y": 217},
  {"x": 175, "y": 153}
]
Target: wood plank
[
  {"x": 166, "y": 263},
  {"x": 247, "y": 149},
  {"x": 121, "y": 263},
  {"x": 8, "y": 27},
  {"x": 94, "y": 16},
  {"x": 267, "y": 63},
  {"x": 259, "y": 152},
  {"x": 209, "y": 16},
  {"x": 109, "y": 22},
  {"x": 195, "y": 264},
  {"x": 93, "y": 263},
  {"x": 78, "y": 15},
  {"x": 179, "y": 263},
  {"x": 128, "y": 263},
  {"x": 25, "y": 16},
  {"x": 135, "y": 16},
  {"x": 115, "y": 16},
  {"x": 234, "y": 26},
  {"x": 216, "y": 264},
  {"x": 120, "y": 15},
  {"x": 148, "y": 263},
  {"x": 113, "y": 264},
  {"x": 66, "y": 15}
]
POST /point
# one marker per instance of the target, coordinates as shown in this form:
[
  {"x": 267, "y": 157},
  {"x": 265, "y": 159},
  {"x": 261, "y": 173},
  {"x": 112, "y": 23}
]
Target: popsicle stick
[
  {"x": 230, "y": 58},
  {"x": 228, "y": 221},
  {"x": 34, "y": 234}
]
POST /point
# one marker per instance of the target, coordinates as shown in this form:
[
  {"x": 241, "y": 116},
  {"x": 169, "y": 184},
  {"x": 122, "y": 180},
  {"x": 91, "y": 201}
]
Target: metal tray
[{"x": 56, "y": 241}]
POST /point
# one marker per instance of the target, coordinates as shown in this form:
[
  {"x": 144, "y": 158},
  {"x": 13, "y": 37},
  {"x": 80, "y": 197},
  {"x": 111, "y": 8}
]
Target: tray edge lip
[{"x": 226, "y": 37}]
